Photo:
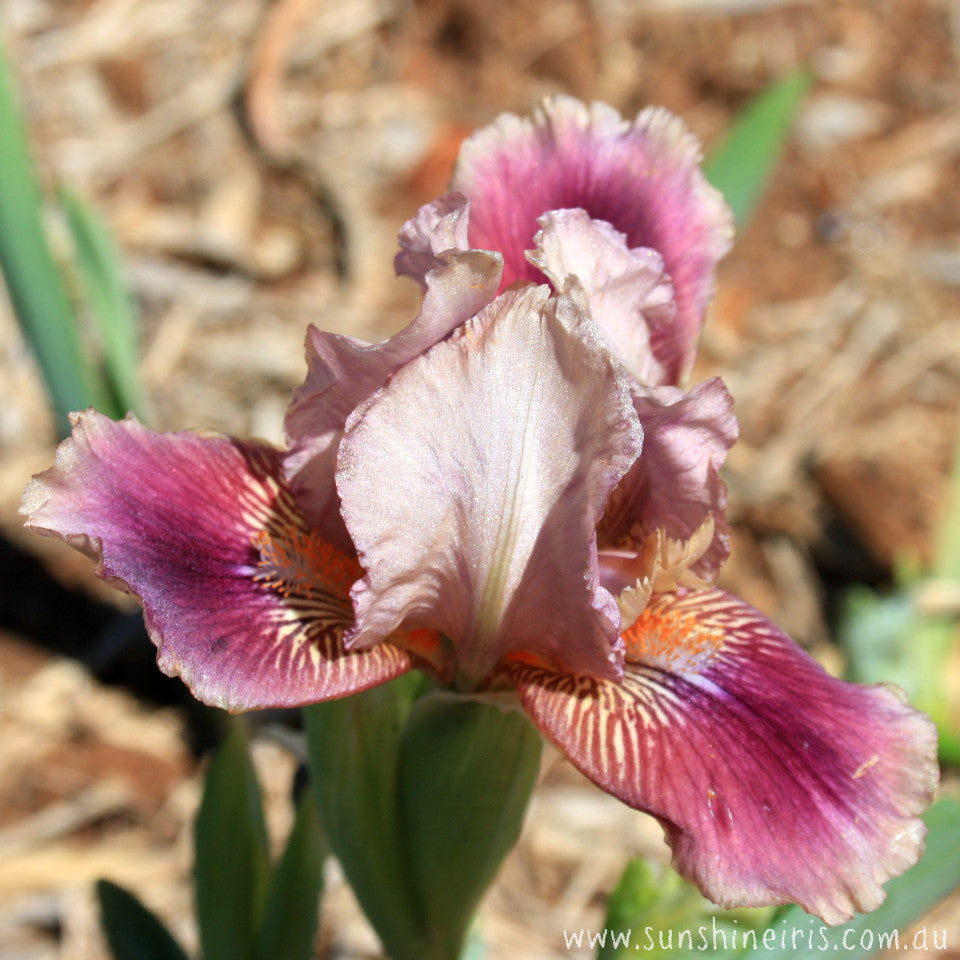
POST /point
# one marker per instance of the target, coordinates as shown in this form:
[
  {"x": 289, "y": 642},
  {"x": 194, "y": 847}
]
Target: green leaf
[
  {"x": 107, "y": 299},
  {"x": 292, "y": 908},
  {"x": 34, "y": 282},
  {"x": 421, "y": 794},
  {"x": 231, "y": 854},
  {"x": 743, "y": 164},
  {"x": 467, "y": 770},
  {"x": 654, "y": 911},
  {"x": 797, "y": 935},
  {"x": 354, "y": 746},
  {"x": 133, "y": 932}
]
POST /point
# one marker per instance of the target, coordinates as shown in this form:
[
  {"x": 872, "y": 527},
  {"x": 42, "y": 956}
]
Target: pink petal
[
  {"x": 342, "y": 372},
  {"x": 242, "y": 599},
  {"x": 627, "y": 291},
  {"x": 472, "y": 484},
  {"x": 438, "y": 227},
  {"x": 774, "y": 781},
  {"x": 642, "y": 177},
  {"x": 675, "y": 485}
]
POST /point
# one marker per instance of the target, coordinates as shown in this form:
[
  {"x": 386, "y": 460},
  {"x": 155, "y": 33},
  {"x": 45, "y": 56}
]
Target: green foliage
[
  {"x": 133, "y": 932},
  {"x": 292, "y": 908},
  {"x": 422, "y": 794},
  {"x": 231, "y": 867},
  {"x": 742, "y": 165},
  {"x": 354, "y": 746},
  {"x": 45, "y": 302},
  {"x": 35, "y": 284},
  {"x": 466, "y": 774},
  {"x": 661, "y": 913},
  {"x": 245, "y": 910},
  {"x": 103, "y": 291}
]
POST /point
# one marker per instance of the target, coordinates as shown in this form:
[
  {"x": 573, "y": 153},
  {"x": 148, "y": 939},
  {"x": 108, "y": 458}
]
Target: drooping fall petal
[
  {"x": 675, "y": 483},
  {"x": 243, "y": 600},
  {"x": 774, "y": 781},
  {"x": 642, "y": 177},
  {"x": 344, "y": 371},
  {"x": 472, "y": 484}
]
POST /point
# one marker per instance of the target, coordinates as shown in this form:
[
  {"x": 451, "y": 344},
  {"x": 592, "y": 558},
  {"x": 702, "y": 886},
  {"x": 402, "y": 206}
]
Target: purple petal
[
  {"x": 242, "y": 599},
  {"x": 472, "y": 484},
  {"x": 774, "y": 781},
  {"x": 674, "y": 485},
  {"x": 642, "y": 177},
  {"x": 627, "y": 291},
  {"x": 342, "y": 372}
]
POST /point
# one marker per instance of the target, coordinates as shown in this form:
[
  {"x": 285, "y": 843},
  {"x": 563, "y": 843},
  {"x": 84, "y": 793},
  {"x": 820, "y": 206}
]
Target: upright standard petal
[
  {"x": 243, "y": 600},
  {"x": 642, "y": 177},
  {"x": 674, "y": 486},
  {"x": 439, "y": 226},
  {"x": 774, "y": 781},
  {"x": 342, "y": 372},
  {"x": 627, "y": 291},
  {"x": 473, "y": 482}
]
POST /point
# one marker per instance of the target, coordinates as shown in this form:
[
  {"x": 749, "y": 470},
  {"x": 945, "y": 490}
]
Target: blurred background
[{"x": 254, "y": 160}]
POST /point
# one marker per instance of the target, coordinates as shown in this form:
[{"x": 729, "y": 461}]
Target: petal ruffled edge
[
  {"x": 627, "y": 291},
  {"x": 774, "y": 781},
  {"x": 242, "y": 599},
  {"x": 438, "y": 226},
  {"x": 498, "y": 448},
  {"x": 643, "y": 177},
  {"x": 675, "y": 484},
  {"x": 342, "y": 372}
]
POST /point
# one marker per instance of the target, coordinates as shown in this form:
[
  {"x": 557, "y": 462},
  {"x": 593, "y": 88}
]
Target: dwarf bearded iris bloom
[{"x": 514, "y": 495}]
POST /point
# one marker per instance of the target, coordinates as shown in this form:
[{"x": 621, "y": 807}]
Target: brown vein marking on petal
[
  {"x": 314, "y": 578},
  {"x": 675, "y": 640},
  {"x": 299, "y": 564}
]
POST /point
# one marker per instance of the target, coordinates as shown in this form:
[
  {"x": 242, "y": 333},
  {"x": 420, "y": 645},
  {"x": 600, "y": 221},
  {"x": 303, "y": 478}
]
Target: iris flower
[{"x": 515, "y": 495}]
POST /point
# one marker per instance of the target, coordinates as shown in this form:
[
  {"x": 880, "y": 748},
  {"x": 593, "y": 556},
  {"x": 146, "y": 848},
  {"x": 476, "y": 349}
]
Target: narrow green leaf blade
[
  {"x": 133, "y": 931},
  {"x": 33, "y": 280},
  {"x": 741, "y": 167},
  {"x": 108, "y": 301},
  {"x": 231, "y": 854},
  {"x": 292, "y": 907}
]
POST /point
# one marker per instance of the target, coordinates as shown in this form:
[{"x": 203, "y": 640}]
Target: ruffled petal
[
  {"x": 242, "y": 599},
  {"x": 642, "y": 177},
  {"x": 342, "y": 372},
  {"x": 438, "y": 226},
  {"x": 674, "y": 485},
  {"x": 472, "y": 484},
  {"x": 627, "y": 291},
  {"x": 774, "y": 781}
]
